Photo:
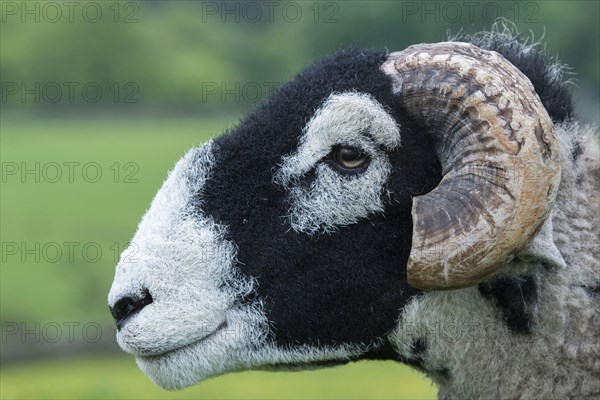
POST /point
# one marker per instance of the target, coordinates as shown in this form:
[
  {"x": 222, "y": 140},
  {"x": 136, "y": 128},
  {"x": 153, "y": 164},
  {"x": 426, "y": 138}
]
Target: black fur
[
  {"x": 419, "y": 348},
  {"x": 416, "y": 358},
  {"x": 324, "y": 289},
  {"x": 384, "y": 351},
  {"x": 444, "y": 373},
  {"x": 593, "y": 290},
  {"x": 348, "y": 287},
  {"x": 515, "y": 296}
]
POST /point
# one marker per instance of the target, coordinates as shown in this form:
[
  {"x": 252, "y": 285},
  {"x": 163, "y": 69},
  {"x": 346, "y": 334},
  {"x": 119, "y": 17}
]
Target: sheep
[{"x": 341, "y": 221}]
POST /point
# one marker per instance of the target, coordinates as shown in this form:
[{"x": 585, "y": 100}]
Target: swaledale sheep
[{"x": 436, "y": 206}]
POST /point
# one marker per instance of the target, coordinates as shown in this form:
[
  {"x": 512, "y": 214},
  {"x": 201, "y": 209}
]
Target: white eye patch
[{"x": 333, "y": 199}]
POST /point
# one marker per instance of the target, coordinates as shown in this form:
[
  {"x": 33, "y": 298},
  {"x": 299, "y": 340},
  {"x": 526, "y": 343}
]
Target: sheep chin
[
  {"x": 228, "y": 348},
  {"x": 242, "y": 344}
]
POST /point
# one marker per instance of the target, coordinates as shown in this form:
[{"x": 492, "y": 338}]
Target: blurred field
[
  {"x": 75, "y": 290},
  {"x": 119, "y": 378}
]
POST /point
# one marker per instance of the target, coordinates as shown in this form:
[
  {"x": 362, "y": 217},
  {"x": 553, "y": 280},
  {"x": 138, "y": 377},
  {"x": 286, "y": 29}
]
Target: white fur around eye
[{"x": 334, "y": 199}]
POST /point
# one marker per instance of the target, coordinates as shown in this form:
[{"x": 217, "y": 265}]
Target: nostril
[{"x": 127, "y": 306}]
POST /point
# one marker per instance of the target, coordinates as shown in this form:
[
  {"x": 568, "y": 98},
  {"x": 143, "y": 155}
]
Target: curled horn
[{"x": 499, "y": 159}]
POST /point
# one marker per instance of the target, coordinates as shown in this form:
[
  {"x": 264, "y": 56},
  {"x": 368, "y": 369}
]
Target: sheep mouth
[{"x": 222, "y": 327}]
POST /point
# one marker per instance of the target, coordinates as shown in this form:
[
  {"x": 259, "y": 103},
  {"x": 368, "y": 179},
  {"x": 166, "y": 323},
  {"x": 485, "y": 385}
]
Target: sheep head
[{"x": 294, "y": 239}]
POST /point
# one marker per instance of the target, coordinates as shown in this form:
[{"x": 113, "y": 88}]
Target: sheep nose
[{"x": 125, "y": 307}]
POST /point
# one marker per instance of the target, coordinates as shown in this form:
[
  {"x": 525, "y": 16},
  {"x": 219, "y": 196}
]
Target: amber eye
[{"x": 349, "y": 158}]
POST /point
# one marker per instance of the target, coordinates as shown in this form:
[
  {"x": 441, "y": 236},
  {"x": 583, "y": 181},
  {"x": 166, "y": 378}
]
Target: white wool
[{"x": 560, "y": 359}]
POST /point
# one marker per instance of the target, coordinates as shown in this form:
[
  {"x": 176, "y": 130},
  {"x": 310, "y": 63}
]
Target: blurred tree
[{"x": 173, "y": 54}]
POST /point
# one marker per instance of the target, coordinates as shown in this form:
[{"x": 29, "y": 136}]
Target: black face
[{"x": 321, "y": 289}]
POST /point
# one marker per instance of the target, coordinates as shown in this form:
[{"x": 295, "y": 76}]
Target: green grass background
[
  {"x": 106, "y": 212},
  {"x": 119, "y": 378}
]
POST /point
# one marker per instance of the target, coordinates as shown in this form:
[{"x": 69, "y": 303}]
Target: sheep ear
[{"x": 542, "y": 248}]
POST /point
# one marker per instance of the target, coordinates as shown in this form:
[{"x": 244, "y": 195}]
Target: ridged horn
[{"x": 499, "y": 158}]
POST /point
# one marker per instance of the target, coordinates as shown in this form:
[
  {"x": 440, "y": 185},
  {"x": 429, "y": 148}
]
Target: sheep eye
[{"x": 349, "y": 158}]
